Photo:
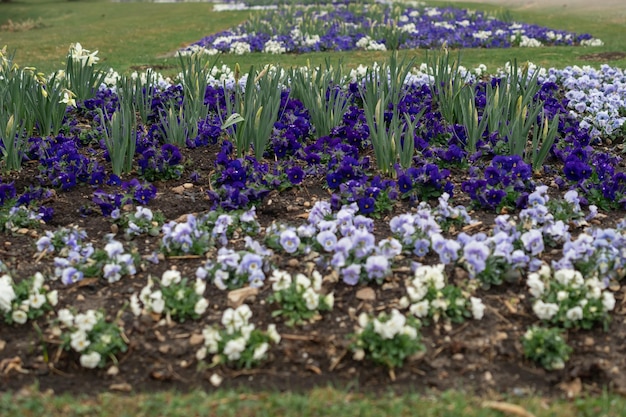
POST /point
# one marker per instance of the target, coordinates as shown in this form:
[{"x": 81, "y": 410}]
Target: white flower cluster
[
  {"x": 233, "y": 341},
  {"x": 274, "y": 47},
  {"x": 482, "y": 34},
  {"x": 591, "y": 42},
  {"x": 240, "y": 48},
  {"x": 388, "y": 326},
  {"x": 153, "y": 300},
  {"x": 579, "y": 301},
  {"x": 308, "y": 288},
  {"x": 90, "y": 335},
  {"x": 18, "y": 310},
  {"x": 429, "y": 297},
  {"x": 370, "y": 44},
  {"x": 118, "y": 262},
  {"x": 525, "y": 41},
  {"x": 82, "y": 323},
  {"x": 86, "y": 58},
  {"x": 197, "y": 49}
]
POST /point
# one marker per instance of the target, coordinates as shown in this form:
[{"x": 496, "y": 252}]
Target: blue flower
[
  {"x": 366, "y": 205},
  {"x": 289, "y": 241},
  {"x": 351, "y": 274},
  {"x": 295, "y": 175}
]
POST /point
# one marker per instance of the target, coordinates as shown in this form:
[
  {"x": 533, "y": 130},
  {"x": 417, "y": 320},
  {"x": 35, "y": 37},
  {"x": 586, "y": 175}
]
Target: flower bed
[
  {"x": 378, "y": 27},
  {"x": 303, "y": 250}
]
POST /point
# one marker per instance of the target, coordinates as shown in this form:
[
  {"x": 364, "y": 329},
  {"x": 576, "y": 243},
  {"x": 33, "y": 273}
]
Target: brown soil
[{"x": 480, "y": 355}]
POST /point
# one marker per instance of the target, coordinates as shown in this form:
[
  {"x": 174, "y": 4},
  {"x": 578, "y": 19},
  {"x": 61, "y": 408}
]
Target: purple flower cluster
[
  {"x": 345, "y": 27},
  {"x": 196, "y": 235},
  {"x": 234, "y": 269}
]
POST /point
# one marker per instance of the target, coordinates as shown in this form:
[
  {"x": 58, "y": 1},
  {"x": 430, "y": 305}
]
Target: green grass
[
  {"x": 138, "y": 35},
  {"x": 318, "y": 402}
]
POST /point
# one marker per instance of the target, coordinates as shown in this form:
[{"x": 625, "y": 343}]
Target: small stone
[
  {"x": 80, "y": 297},
  {"x": 187, "y": 185},
  {"x": 458, "y": 357},
  {"x": 366, "y": 294},
  {"x": 588, "y": 341},
  {"x": 572, "y": 389},
  {"x": 164, "y": 349},
  {"x": 488, "y": 377},
  {"x": 2, "y": 345},
  {"x": 239, "y": 296},
  {"x": 196, "y": 339},
  {"x": 113, "y": 370},
  {"x": 121, "y": 387},
  {"x": 293, "y": 263},
  {"x": 178, "y": 190}
]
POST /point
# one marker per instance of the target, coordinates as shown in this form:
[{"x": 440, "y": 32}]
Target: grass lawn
[{"x": 139, "y": 35}]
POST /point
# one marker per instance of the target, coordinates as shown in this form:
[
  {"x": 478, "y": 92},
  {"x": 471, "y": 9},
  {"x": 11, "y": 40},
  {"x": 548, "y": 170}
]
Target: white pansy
[
  {"x": 316, "y": 280},
  {"x": 535, "y": 284},
  {"x": 390, "y": 328},
  {"x": 201, "y": 354},
  {"x": 311, "y": 298},
  {"x": 38, "y": 281},
  {"x": 90, "y": 360},
  {"x": 404, "y": 302},
  {"x": 564, "y": 276},
  {"x": 302, "y": 282},
  {"x": 272, "y": 333},
  {"x": 420, "y": 309},
  {"x": 478, "y": 308},
  {"x": 53, "y": 297},
  {"x": 246, "y": 330},
  {"x": 234, "y": 348},
  {"x": 135, "y": 307},
  {"x": 157, "y": 305},
  {"x": 440, "y": 304},
  {"x": 244, "y": 312},
  {"x": 199, "y": 286},
  {"x": 170, "y": 277},
  {"x": 260, "y": 351},
  {"x": 79, "y": 341},
  {"x": 545, "y": 311},
  {"x": 7, "y": 294},
  {"x": 330, "y": 300},
  {"x": 19, "y": 316},
  {"x": 36, "y": 300},
  {"x": 281, "y": 280},
  {"x": 416, "y": 291},
  {"x": 431, "y": 274},
  {"x": 608, "y": 300},
  {"x": 574, "y": 313},
  {"x": 86, "y": 321},
  {"x": 66, "y": 317},
  {"x": 201, "y": 306},
  {"x": 410, "y": 331},
  {"x": 545, "y": 271}
]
